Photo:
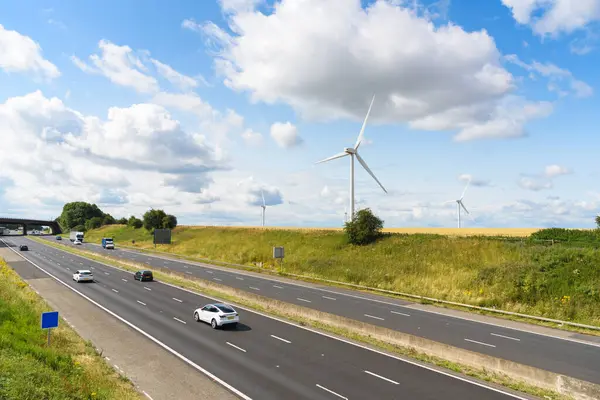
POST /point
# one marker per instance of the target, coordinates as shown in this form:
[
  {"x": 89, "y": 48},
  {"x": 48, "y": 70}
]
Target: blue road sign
[{"x": 50, "y": 320}]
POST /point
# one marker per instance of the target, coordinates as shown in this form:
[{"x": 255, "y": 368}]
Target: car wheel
[
  {"x": 213, "y": 323},
  {"x": 196, "y": 317}
]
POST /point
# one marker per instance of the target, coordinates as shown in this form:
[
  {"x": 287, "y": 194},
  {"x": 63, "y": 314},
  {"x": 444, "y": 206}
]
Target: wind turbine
[
  {"x": 459, "y": 202},
  {"x": 353, "y": 152},
  {"x": 264, "y": 207}
]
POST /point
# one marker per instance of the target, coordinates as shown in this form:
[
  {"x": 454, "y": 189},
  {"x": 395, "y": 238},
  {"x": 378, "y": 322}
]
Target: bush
[
  {"x": 153, "y": 219},
  {"x": 93, "y": 223},
  {"x": 169, "y": 222},
  {"x": 567, "y": 235},
  {"x": 134, "y": 222},
  {"x": 365, "y": 228},
  {"x": 598, "y": 221}
]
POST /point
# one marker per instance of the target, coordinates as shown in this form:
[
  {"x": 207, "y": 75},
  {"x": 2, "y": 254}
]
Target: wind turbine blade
[
  {"x": 449, "y": 201},
  {"x": 339, "y": 155},
  {"x": 362, "y": 130},
  {"x": 463, "y": 206},
  {"x": 366, "y": 167},
  {"x": 465, "y": 190},
  {"x": 263, "y": 197}
]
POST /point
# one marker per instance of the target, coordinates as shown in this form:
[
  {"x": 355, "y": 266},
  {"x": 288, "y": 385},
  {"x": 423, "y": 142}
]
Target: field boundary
[{"x": 372, "y": 289}]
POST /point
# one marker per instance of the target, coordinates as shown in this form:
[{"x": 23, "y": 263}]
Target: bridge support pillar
[{"x": 24, "y": 229}]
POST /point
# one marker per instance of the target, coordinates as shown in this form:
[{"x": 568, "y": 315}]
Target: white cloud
[
  {"x": 556, "y": 76},
  {"x": 551, "y": 17},
  {"x": 252, "y": 138},
  {"x": 431, "y": 81},
  {"x": 189, "y": 102},
  {"x": 178, "y": 79},
  {"x": 534, "y": 184},
  {"x": 554, "y": 170},
  {"x": 191, "y": 25},
  {"x": 545, "y": 180},
  {"x": 19, "y": 53},
  {"x": 285, "y": 134},
  {"x": 474, "y": 181},
  {"x": 120, "y": 65}
]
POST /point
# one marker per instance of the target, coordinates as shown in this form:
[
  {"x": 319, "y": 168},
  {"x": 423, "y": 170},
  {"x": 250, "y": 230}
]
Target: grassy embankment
[
  {"x": 68, "y": 369},
  {"x": 558, "y": 281}
]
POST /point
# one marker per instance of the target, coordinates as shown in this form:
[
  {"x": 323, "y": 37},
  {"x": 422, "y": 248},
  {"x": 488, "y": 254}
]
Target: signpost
[
  {"x": 278, "y": 254},
  {"x": 49, "y": 321},
  {"x": 162, "y": 236}
]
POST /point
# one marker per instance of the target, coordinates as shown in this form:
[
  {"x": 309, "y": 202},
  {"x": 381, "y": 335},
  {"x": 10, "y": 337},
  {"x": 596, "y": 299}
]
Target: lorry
[
  {"x": 108, "y": 243},
  {"x": 73, "y": 236}
]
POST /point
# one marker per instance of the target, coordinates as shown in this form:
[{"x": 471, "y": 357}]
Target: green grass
[
  {"x": 561, "y": 282},
  {"x": 69, "y": 369}
]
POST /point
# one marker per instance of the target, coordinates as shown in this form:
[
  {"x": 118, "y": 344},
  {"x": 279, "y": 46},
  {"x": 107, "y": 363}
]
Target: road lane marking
[
  {"x": 209, "y": 272},
  {"x": 177, "y": 319},
  {"x": 147, "y": 288},
  {"x": 68, "y": 268},
  {"x": 308, "y": 301},
  {"x": 374, "y": 317},
  {"x": 481, "y": 343},
  {"x": 187, "y": 272},
  {"x": 147, "y": 395},
  {"x": 217, "y": 279},
  {"x": 278, "y": 338},
  {"x": 141, "y": 303},
  {"x": 115, "y": 290},
  {"x": 332, "y": 392},
  {"x": 329, "y": 298},
  {"x": 382, "y": 377},
  {"x": 505, "y": 337},
  {"x": 400, "y": 313},
  {"x": 107, "y": 273},
  {"x": 278, "y": 287},
  {"x": 124, "y": 280},
  {"x": 233, "y": 345},
  {"x": 185, "y": 266},
  {"x": 254, "y": 288},
  {"x": 181, "y": 301},
  {"x": 239, "y": 279}
]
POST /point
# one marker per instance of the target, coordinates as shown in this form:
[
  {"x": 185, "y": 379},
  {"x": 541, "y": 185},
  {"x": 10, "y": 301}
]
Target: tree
[
  {"x": 122, "y": 221},
  {"x": 134, "y": 222},
  {"x": 78, "y": 228},
  {"x": 598, "y": 221},
  {"x": 153, "y": 219},
  {"x": 77, "y": 213},
  {"x": 365, "y": 228},
  {"x": 93, "y": 223},
  {"x": 108, "y": 220},
  {"x": 169, "y": 222}
]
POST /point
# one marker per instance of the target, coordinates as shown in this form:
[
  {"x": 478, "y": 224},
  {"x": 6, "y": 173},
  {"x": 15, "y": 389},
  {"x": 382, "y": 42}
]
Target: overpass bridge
[{"x": 29, "y": 222}]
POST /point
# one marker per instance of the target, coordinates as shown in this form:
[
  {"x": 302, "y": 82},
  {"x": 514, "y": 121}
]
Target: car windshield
[
  {"x": 224, "y": 308},
  {"x": 85, "y": 273},
  {"x": 147, "y": 273}
]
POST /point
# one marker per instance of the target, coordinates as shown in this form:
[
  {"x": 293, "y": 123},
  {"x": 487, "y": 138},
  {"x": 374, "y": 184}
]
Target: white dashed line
[
  {"x": 185, "y": 266},
  {"x": 329, "y": 298},
  {"x": 217, "y": 279},
  {"x": 181, "y": 301},
  {"x": 124, "y": 280},
  {"x": 189, "y": 273},
  {"x": 307, "y": 301},
  {"x": 382, "y": 377},
  {"x": 253, "y": 288},
  {"x": 147, "y": 288},
  {"x": 107, "y": 273},
  {"x": 332, "y": 392},
  {"x": 209, "y": 272},
  {"x": 233, "y": 345},
  {"x": 239, "y": 279},
  {"x": 278, "y": 338},
  {"x": 505, "y": 337},
  {"x": 278, "y": 287},
  {"x": 115, "y": 290},
  {"x": 400, "y": 313},
  {"x": 141, "y": 303},
  {"x": 374, "y": 317},
  {"x": 481, "y": 343},
  {"x": 177, "y": 319}
]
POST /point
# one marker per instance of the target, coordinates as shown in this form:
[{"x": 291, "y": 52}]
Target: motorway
[
  {"x": 569, "y": 357},
  {"x": 263, "y": 358}
]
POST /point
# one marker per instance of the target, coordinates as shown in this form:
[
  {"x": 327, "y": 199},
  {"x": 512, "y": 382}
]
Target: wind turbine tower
[
  {"x": 353, "y": 152},
  {"x": 459, "y": 203},
  {"x": 264, "y": 207}
]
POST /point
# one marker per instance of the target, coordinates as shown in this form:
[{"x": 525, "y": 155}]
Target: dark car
[
  {"x": 143, "y": 275},
  {"x": 23, "y": 247},
  {"x": 58, "y": 238}
]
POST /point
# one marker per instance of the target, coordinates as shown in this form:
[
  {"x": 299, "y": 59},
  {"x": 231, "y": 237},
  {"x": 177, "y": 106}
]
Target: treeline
[{"x": 82, "y": 216}]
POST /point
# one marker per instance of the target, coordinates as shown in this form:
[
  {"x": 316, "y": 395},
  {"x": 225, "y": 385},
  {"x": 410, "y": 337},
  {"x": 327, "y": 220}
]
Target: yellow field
[{"x": 512, "y": 232}]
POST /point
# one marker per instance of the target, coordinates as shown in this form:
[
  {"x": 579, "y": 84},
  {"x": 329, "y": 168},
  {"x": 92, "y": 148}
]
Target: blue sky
[{"x": 195, "y": 107}]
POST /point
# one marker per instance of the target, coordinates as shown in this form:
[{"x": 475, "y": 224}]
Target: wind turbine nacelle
[{"x": 349, "y": 150}]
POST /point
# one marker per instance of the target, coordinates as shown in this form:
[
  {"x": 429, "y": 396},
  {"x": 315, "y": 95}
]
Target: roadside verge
[{"x": 491, "y": 369}]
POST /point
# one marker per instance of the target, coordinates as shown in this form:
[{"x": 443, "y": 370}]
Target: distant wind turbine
[
  {"x": 353, "y": 152},
  {"x": 459, "y": 202},
  {"x": 264, "y": 207}
]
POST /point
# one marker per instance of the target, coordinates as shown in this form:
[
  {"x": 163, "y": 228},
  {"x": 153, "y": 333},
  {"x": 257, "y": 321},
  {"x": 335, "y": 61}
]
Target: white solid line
[
  {"x": 331, "y": 391},
  {"x": 115, "y": 290},
  {"x": 147, "y": 395},
  {"x": 278, "y": 338},
  {"x": 124, "y": 280},
  {"x": 399, "y": 313},
  {"x": 177, "y": 319},
  {"x": 238, "y": 278},
  {"x": 382, "y": 377},
  {"x": 481, "y": 343},
  {"x": 217, "y": 279},
  {"x": 308, "y": 301},
  {"x": 329, "y": 298},
  {"x": 141, "y": 303},
  {"x": 147, "y": 288},
  {"x": 189, "y": 273},
  {"x": 181, "y": 301},
  {"x": 233, "y": 345},
  {"x": 330, "y": 336},
  {"x": 252, "y": 287},
  {"x": 278, "y": 287},
  {"x": 372, "y": 316},
  {"x": 505, "y": 337}
]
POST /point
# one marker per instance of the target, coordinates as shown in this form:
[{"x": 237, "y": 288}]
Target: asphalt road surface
[
  {"x": 263, "y": 358},
  {"x": 568, "y": 357}
]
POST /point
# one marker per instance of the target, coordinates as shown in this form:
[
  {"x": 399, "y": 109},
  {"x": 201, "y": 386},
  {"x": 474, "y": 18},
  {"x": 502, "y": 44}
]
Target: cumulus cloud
[
  {"x": 251, "y": 137},
  {"x": 552, "y": 17},
  {"x": 474, "y": 181},
  {"x": 178, "y": 79},
  {"x": 285, "y": 134},
  {"x": 344, "y": 53},
  {"x": 545, "y": 180},
  {"x": 251, "y": 192},
  {"x": 554, "y": 170},
  {"x": 20, "y": 53}
]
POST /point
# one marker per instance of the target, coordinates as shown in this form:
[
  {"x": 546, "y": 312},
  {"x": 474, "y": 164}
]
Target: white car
[
  {"x": 217, "y": 315},
  {"x": 83, "y": 275},
  {"x": 77, "y": 242}
]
